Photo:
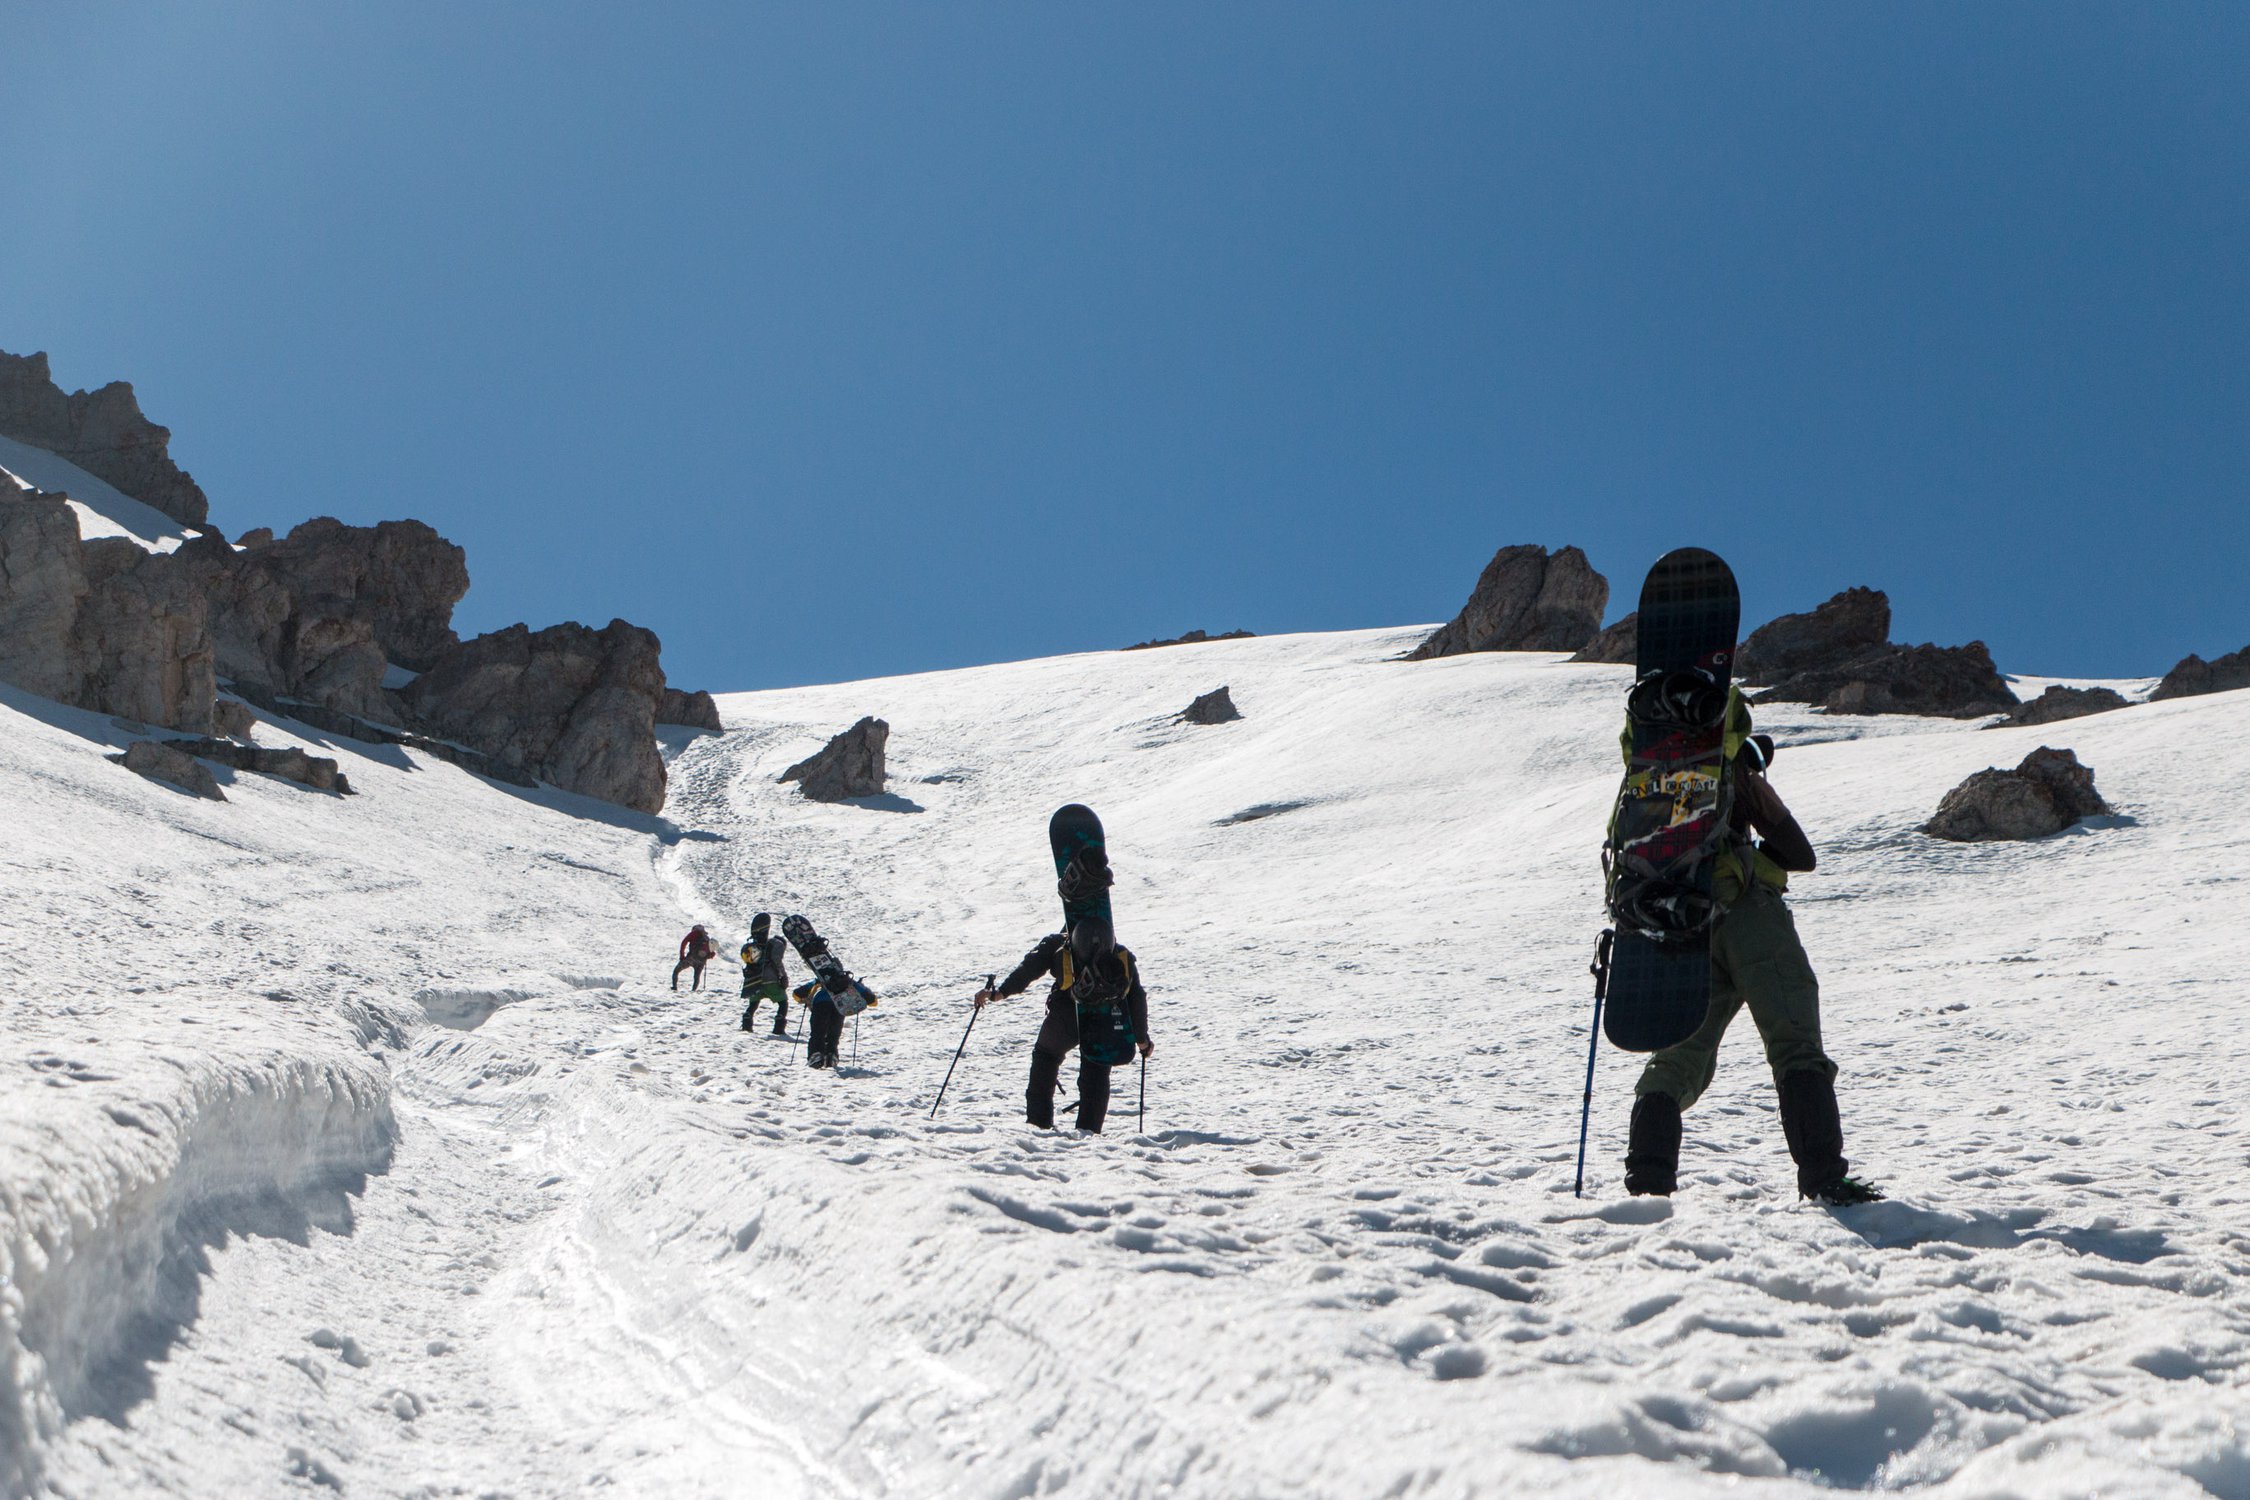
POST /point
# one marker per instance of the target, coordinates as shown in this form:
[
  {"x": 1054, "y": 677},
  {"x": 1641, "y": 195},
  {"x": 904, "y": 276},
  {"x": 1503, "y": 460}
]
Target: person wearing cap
[
  {"x": 1086, "y": 958},
  {"x": 765, "y": 974}
]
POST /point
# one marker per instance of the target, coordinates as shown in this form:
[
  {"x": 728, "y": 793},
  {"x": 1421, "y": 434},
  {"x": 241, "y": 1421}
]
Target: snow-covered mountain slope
[
  {"x": 102, "y": 508},
  {"x": 605, "y": 1239}
]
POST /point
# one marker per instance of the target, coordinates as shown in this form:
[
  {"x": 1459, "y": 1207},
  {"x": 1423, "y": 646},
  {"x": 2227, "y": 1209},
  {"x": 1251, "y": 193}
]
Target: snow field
[{"x": 622, "y": 1245}]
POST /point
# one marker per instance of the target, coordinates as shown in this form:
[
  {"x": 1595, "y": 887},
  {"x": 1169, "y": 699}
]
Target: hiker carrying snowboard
[
  {"x": 824, "y": 1017},
  {"x": 1086, "y": 963},
  {"x": 765, "y": 974},
  {"x": 696, "y": 950},
  {"x": 1758, "y": 962}
]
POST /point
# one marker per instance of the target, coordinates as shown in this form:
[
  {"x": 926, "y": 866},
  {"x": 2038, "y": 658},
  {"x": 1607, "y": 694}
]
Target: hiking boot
[
  {"x": 1814, "y": 1131},
  {"x": 1844, "y": 1192},
  {"x": 1652, "y": 1150}
]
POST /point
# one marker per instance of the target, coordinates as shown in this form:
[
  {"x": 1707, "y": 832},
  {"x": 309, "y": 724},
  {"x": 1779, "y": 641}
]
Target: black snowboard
[
  {"x": 849, "y": 994},
  {"x": 1082, "y": 879},
  {"x": 1670, "y": 820}
]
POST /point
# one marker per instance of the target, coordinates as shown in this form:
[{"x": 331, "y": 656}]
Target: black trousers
[
  {"x": 824, "y": 1029},
  {"x": 1057, "y": 1035}
]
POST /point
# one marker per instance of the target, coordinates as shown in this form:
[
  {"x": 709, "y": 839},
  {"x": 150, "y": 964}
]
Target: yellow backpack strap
[{"x": 1068, "y": 973}]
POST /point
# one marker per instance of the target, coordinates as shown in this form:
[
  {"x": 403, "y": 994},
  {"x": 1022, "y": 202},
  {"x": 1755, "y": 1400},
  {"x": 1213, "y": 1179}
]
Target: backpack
[
  {"x": 1673, "y": 822},
  {"x": 1098, "y": 990}
]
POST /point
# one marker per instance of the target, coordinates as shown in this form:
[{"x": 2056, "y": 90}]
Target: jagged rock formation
[
  {"x": 694, "y": 710},
  {"x": 103, "y": 625},
  {"x": 1617, "y": 645},
  {"x": 1527, "y": 599},
  {"x": 103, "y": 432},
  {"x": 572, "y": 706},
  {"x": 2061, "y": 703},
  {"x": 1850, "y": 625},
  {"x": 1214, "y": 707},
  {"x": 169, "y": 763},
  {"x": 1194, "y": 638},
  {"x": 290, "y": 763},
  {"x": 2044, "y": 795},
  {"x": 850, "y": 765},
  {"x": 231, "y": 719},
  {"x": 2195, "y": 676}
]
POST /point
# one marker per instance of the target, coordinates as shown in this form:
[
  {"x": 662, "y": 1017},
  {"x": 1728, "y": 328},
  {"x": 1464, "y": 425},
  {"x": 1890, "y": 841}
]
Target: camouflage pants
[{"x": 1756, "y": 960}]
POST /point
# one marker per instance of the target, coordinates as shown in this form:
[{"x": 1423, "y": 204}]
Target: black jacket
[{"x": 1046, "y": 962}]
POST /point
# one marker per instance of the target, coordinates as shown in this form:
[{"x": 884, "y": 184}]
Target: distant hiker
[
  {"x": 824, "y": 1016},
  {"x": 765, "y": 974},
  {"x": 1090, "y": 969},
  {"x": 1756, "y": 960},
  {"x": 696, "y": 950}
]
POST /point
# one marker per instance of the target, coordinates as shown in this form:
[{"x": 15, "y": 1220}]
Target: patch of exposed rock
[
  {"x": 2061, "y": 703},
  {"x": 1947, "y": 682},
  {"x": 289, "y": 763},
  {"x": 231, "y": 719},
  {"x": 170, "y": 764},
  {"x": 572, "y": 706},
  {"x": 102, "y": 625},
  {"x": 1617, "y": 645},
  {"x": 1527, "y": 599},
  {"x": 334, "y": 721},
  {"x": 849, "y": 765},
  {"x": 1214, "y": 707},
  {"x": 103, "y": 432},
  {"x": 1194, "y": 638},
  {"x": 694, "y": 710},
  {"x": 1850, "y": 625},
  {"x": 2044, "y": 795},
  {"x": 2194, "y": 676}
]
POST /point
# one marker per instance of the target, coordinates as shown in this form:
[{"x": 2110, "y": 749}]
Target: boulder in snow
[
  {"x": 2061, "y": 703},
  {"x": 573, "y": 706},
  {"x": 849, "y": 765},
  {"x": 169, "y": 763},
  {"x": 232, "y": 719},
  {"x": 1617, "y": 645},
  {"x": 1952, "y": 682},
  {"x": 1214, "y": 707},
  {"x": 1850, "y": 625},
  {"x": 2195, "y": 676},
  {"x": 1527, "y": 599},
  {"x": 2045, "y": 794},
  {"x": 694, "y": 710},
  {"x": 1194, "y": 638},
  {"x": 103, "y": 432},
  {"x": 287, "y": 762}
]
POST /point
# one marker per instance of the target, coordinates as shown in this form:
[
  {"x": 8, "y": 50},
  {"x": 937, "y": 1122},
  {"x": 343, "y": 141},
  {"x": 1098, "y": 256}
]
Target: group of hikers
[{"x": 1757, "y": 963}]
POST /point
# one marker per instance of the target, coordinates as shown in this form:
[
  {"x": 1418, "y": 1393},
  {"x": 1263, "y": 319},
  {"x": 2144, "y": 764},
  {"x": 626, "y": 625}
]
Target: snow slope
[
  {"x": 102, "y": 508},
  {"x": 600, "y": 1238}
]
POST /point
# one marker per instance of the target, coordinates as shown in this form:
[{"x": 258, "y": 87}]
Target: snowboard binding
[{"x": 1086, "y": 876}]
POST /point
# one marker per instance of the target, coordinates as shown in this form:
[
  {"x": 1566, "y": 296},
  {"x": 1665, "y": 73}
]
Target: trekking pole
[
  {"x": 855, "y": 1038},
  {"x": 1144, "y": 1094},
  {"x": 1600, "y": 971},
  {"x": 974, "y": 1012}
]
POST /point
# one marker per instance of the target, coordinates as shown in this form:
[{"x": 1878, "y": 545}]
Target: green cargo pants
[{"x": 1757, "y": 961}]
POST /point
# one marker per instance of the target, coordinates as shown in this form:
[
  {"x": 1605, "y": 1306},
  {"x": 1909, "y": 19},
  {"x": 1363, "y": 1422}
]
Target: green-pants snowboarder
[
  {"x": 1756, "y": 962},
  {"x": 765, "y": 974}
]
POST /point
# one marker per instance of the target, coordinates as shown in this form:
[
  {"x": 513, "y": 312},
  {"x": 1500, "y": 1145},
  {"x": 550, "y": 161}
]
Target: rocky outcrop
[
  {"x": 101, "y": 625},
  {"x": 2061, "y": 703},
  {"x": 1617, "y": 645},
  {"x": 2195, "y": 676},
  {"x": 169, "y": 763},
  {"x": 350, "y": 727},
  {"x": 1527, "y": 599},
  {"x": 1850, "y": 625},
  {"x": 572, "y": 706},
  {"x": 1214, "y": 707},
  {"x": 1194, "y": 638},
  {"x": 103, "y": 432},
  {"x": 232, "y": 719},
  {"x": 850, "y": 765},
  {"x": 2044, "y": 795},
  {"x": 693, "y": 710},
  {"x": 288, "y": 763},
  {"x": 400, "y": 577},
  {"x": 1948, "y": 682}
]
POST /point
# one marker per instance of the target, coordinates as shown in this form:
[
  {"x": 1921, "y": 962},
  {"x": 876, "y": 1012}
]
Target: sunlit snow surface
[
  {"x": 548, "y": 1229},
  {"x": 102, "y": 509}
]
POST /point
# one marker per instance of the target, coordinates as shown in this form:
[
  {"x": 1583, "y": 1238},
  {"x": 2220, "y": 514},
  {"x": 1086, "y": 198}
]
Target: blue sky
[{"x": 834, "y": 340}]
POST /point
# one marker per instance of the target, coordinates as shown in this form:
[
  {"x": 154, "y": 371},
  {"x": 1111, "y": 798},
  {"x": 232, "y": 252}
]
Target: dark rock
[
  {"x": 1214, "y": 707},
  {"x": 288, "y": 762},
  {"x": 254, "y": 538},
  {"x": 160, "y": 762},
  {"x": 42, "y": 584},
  {"x": 1617, "y": 645},
  {"x": 1527, "y": 599},
  {"x": 694, "y": 710},
  {"x": 2044, "y": 795},
  {"x": 1850, "y": 625},
  {"x": 2194, "y": 676},
  {"x": 401, "y": 577},
  {"x": 1952, "y": 682},
  {"x": 573, "y": 706},
  {"x": 232, "y": 719},
  {"x": 1194, "y": 638},
  {"x": 850, "y": 765},
  {"x": 2061, "y": 703},
  {"x": 103, "y": 432},
  {"x": 334, "y": 722}
]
